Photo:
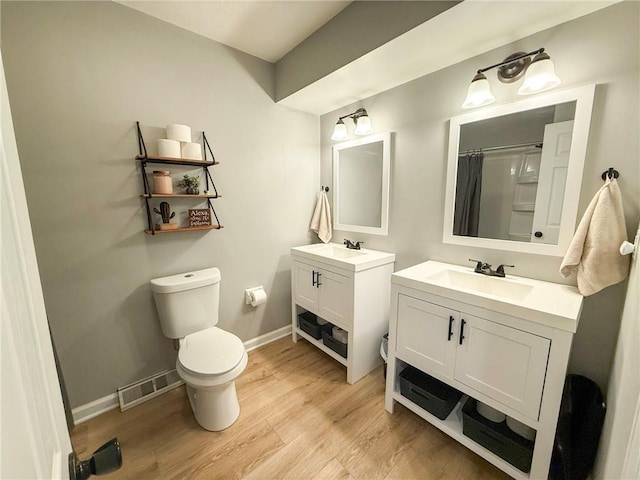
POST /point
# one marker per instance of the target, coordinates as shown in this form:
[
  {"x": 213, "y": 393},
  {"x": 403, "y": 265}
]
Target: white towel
[
  {"x": 321, "y": 220},
  {"x": 593, "y": 252}
]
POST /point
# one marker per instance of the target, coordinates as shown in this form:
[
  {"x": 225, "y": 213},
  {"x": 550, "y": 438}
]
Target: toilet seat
[{"x": 210, "y": 352}]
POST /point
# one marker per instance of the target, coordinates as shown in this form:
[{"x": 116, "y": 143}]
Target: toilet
[{"x": 209, "y": 358}]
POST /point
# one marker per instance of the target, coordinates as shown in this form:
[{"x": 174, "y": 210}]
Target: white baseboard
[
  {"x": 95, "y": 408},
  {"x": 267, "y": 338},
  {"x": 110, "y": 402}
]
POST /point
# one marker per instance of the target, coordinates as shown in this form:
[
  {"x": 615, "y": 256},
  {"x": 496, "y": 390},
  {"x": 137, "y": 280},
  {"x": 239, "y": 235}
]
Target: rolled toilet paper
[
  {"x": 258, "y": 297},
  {"x": 255, "y": 296},
  {"x": 490, "y": 413},
  {"x": 179, "y": 133},
  {"x": 339, "y": 334},
  {"x": 521, "y": 429},
  {"x": 191, "y": 150},
  {"x": 168, "y": 148}
]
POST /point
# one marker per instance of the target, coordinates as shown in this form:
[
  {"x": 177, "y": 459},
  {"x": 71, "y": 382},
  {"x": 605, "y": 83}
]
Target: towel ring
[{"x": 611, "y": 173}]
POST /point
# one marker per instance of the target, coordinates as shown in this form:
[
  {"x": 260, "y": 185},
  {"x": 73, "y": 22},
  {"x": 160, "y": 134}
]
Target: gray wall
[
  {"x": 418, "y": 113},
  {"x": 360, "y": 28},
  {"x": 79, "y": 75}
]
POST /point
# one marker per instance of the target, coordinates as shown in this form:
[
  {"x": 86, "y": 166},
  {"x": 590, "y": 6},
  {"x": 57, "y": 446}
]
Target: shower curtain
[{"x": 469, "y": 186}]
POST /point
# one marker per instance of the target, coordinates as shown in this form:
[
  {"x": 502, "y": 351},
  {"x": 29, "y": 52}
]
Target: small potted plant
[{"x": 190, "y": 184}]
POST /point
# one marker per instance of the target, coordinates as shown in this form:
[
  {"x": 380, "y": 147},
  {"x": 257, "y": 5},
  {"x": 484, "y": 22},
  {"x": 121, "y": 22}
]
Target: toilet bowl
[
  {"x": 209, "y": 361},
  {"x": 209, "y": 358}
]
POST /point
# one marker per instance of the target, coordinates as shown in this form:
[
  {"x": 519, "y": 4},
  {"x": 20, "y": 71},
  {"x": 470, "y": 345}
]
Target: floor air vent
[{"x": 146, "y": 389}]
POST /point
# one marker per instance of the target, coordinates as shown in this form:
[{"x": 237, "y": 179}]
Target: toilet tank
[{"x": 187, "y": 302}]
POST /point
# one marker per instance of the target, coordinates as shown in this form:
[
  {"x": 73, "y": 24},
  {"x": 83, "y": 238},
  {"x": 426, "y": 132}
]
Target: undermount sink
[
  {"x": 343, "y": 257},
  {"x": 495, "y": 286},
  {"x": 547, "y": 303}
]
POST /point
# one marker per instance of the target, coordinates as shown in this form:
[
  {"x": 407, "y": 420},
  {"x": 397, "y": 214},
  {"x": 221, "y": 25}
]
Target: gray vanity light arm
[{"x": 511, "y": 60}]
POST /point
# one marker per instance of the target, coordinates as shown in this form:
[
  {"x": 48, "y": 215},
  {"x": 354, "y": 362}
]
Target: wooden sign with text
[{"x": 199, "y": 217}]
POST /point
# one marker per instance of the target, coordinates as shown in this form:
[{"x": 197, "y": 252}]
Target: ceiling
[
  {"x": 265, "y": 29},
  {"x": 269, "y": 29},
  {"x": 468, "y": 29}
]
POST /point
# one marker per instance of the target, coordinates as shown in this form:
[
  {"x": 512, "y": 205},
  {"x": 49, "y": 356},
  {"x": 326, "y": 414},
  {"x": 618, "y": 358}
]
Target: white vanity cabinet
[
  {"x": 502, "y": 341},
  {"x": 327, "y": 293},
  {"x": 348, "y": 288},
  {"x": 504, "y": 363}
]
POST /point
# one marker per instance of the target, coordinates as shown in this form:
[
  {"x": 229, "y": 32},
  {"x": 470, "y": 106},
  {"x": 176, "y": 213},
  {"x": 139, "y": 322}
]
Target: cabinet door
[
  {"x": 426, "y": 335},
  {"x": 335, "y": 297},
  {"x": 506, "y": 364},
  {"x": 305, "y": 292}
]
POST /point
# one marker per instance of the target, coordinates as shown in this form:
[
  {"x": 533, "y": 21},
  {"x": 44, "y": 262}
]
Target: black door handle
[
  {"x": 450, "y": 328},
  {"x": 313, "y": 278},
  {"x": 462, "y": 322},
  {"x": 318, "y": 279}
]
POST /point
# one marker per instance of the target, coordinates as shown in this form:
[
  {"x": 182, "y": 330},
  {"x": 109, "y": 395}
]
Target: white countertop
[
  {"x": 342, "y": 257},
  {"x": 551, "y": 304}
]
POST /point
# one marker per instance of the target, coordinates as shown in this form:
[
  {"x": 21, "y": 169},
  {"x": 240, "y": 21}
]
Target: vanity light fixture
[
  {"x": 539, "y": 76},
  {"x": 360, "y": 118}
]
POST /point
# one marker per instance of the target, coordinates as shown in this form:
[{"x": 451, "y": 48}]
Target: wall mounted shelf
[
  {"x": 176, "y": 195},
  {"x": 144, "y": 159},
  {"x": 185, "y": 229},
  {"x": 177, "y": 161}
]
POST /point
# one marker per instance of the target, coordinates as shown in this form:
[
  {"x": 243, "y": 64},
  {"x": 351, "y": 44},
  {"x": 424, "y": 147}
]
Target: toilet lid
[{"x": 210, "y": 352}]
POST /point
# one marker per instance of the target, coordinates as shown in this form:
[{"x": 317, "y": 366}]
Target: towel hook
[
  {"x": 323, "y": 188},
  {"x": 611, "y": 173}
]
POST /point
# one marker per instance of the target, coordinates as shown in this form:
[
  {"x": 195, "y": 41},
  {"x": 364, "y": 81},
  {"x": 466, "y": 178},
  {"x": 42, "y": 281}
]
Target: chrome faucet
[
  {"x": 485, "y": 269},
  {"x": 352, "y": 245},
  {"x": 500, "y": 270}
]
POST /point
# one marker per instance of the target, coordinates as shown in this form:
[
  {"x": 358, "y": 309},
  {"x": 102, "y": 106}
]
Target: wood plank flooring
[{"x": 299, "y": 419}]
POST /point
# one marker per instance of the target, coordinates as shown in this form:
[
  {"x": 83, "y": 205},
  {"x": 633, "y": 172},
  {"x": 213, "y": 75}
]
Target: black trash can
[{"x": 579, "y": 427}]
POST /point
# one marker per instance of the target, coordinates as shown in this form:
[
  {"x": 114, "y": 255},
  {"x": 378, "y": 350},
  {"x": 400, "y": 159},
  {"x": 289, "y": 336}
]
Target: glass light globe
[
  {"x": 540, "y": 76},
  {"x": 363, "y": 125},
  {"x": 340, "y": 131},
  {"x": 479, "y": 93}
]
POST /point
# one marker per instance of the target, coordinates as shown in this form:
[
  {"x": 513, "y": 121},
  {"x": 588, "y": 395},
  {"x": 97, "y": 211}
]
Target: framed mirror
[
  {"x": 514, "y": 173},
  {"x": 361, "y": 184}
]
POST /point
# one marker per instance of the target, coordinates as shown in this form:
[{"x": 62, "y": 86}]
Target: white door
[
  {"x": 335, "y": 298},
  {"x": 505, "y": 364},
  {"x": 619, "y": 451},
  {"x": 426, "y": 336},
  {"x": 304, "y": 286},
  {"x": 34, "y": 438},
  {"x": 554, "y": 165}
]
